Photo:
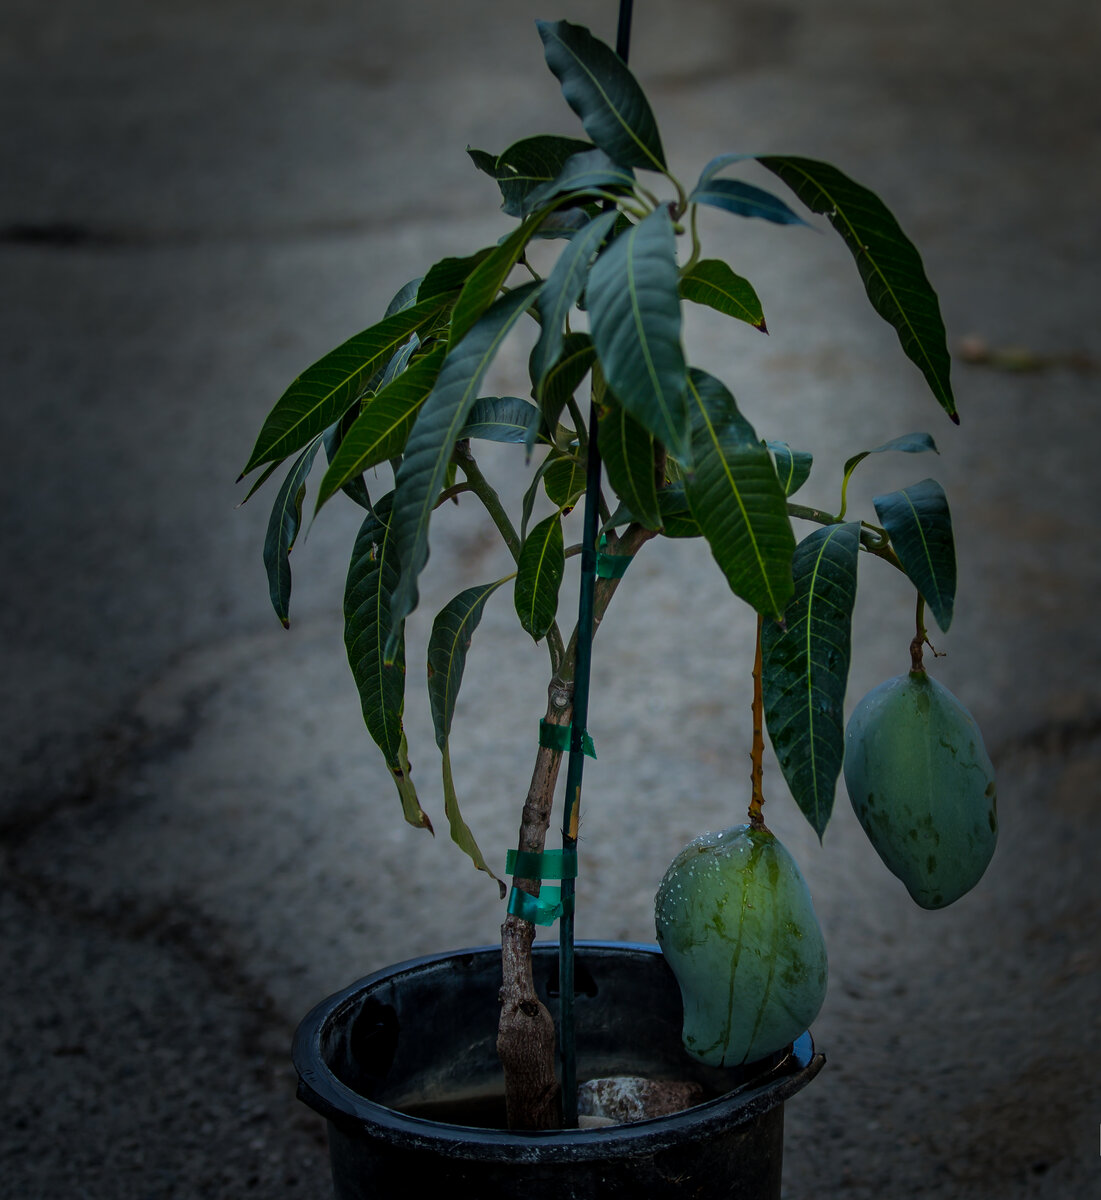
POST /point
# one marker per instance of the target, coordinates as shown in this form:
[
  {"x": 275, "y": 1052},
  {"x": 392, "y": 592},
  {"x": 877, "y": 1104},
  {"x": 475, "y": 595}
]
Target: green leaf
[
  {"x": 484, "y": 161},
  {"x": 326, "y": 390},
  {"x": 380, "y": 432},
  {"x": 539, "y": 572},
  {"x": 805, "y": 668},
  {"x": 676, "y": 517},
  {"x": 889, "y": 264},
  {"x": 745, "y": 200},
  {"x": 635, "y": 316},
  {"x": 449, "y": 274},
  {"x": 432, "y": 440},
  {"x": 564, "y": 480},
  {"x": 530, "y": 163},
  {"x": 372, "y": 575},
  {"x": 920, "y": 525},
  {"x": 628, "y": 454},
  {"x": 598, "y": 87},
  {"x": 283, "y": 526},
  {"x": 564, "y": 222},
  {"x": 713, "y": 283},
  {"x": 531, "y": 493},
  {"x": 452, "y": 632},
  {"x": 572, "y": 365},
  {"x": 356, "y": 487},
  {"x": 503, "y": 419},
  {"x": 737, "y": 500},
  {"x": 588, "y": 171},
  {"x": 792, "y": 466},
  {"x": 458, "y": 828},
  {"x": 908, "y": 443},
  {"x": 487, "y": 279},
  {"x": 561, "y": 291},
  {"x": 405, "y": 297}
]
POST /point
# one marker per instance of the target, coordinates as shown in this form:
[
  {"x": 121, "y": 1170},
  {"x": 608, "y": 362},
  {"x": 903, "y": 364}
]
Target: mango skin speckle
[
  {"x": 922, "y": 786},
  {"x": 736, "y": 925}
]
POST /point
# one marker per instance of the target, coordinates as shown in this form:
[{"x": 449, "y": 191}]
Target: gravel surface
[{"x": 197, "y": 841}]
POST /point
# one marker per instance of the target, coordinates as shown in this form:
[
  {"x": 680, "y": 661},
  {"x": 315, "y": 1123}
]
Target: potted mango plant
[{"x": 469, "y": 1066}]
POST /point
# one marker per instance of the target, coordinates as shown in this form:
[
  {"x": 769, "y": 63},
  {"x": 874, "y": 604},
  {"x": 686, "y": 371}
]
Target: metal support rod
[{"x": 576, "y": 764}]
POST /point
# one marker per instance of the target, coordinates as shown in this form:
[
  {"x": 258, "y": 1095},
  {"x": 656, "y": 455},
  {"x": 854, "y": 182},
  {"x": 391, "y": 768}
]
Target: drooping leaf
[
  {"x": 452, "y": 631},
  {"x": 737, "y": 501},
  {"x": 380, "y": 432},
  {"x": 372, "y": 575},
  {"x": 283, "y": 526},
  {"x": 502, "y": 419},
  {"x": 628, "y": 454},
  {"x": 920, "y": 525},
  {"x": 908, "y": 443},
  {"x": 530, "y": 163},
  {"x": 449, "y": 274},
  {"x": 324, "y": 391},
  {"x": 805, "y": 668},
  {"x": 792, "y": 466},
  {"x": 889, "y": 264},
  {"x": 635, "y": 318},
  {"x": 589, "y": 171},
  {"x": 487, "y": 279},
  {"x": 563, "y": 286},
  {"x": 564, "y": 480},
  {"x": 713, "y": 283},
  {"x": 745, "y": 200},
  {"x": 437, "y": 427},
  {"x": 458, "y": 828},
  {"x": 539, "y": 572},
  {"x": 598, "y": 87}
]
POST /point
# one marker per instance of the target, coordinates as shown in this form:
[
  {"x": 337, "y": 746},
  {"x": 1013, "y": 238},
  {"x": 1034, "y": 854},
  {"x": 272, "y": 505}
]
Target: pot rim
[{"x": 343, "y": 1106}]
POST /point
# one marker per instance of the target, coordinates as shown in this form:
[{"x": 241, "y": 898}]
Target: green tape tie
[
  {"x": 550, "y": 864},
  {"x": 557, "y": 737},
  {"x": 611, "y": 566},
  {"x": 543, "y": 909}
]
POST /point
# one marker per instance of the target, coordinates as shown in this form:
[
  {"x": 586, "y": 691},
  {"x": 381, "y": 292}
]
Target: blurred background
[{"x": 197, "y": 201}]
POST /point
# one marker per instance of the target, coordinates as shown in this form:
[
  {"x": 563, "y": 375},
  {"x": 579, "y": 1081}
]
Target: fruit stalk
[{"x": 757, "y": 754}]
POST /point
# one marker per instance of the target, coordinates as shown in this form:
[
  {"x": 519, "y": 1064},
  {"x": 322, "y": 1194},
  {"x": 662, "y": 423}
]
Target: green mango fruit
[
  {"x": 736, "y": 925},
  {"x": 922, "y": 786}
]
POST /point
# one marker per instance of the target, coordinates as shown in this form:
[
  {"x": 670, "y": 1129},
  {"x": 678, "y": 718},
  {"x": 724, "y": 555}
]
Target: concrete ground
[{"x": 199, "y": 199}]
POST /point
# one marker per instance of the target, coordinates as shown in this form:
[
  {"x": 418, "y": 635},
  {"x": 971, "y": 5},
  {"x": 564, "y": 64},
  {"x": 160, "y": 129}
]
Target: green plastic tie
[
  {"x": 557, "y": 737},
  {"x": 550, "y": 864},
  {"x": 611, "y": 566},
  {"x": 543, "y": 909}
]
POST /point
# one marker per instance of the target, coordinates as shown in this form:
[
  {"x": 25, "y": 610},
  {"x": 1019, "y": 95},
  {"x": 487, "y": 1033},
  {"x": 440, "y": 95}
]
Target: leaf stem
[{"x": 481, "y": 487}]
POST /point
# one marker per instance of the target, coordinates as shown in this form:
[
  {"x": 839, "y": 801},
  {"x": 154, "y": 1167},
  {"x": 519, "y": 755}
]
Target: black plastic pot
[{"x": 403, "y": 1066}]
